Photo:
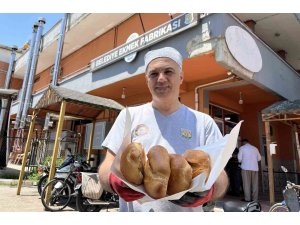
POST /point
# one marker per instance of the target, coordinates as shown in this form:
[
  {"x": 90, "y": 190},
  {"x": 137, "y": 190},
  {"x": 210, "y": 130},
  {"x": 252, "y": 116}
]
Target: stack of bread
[{"x": 162, "y": 173}]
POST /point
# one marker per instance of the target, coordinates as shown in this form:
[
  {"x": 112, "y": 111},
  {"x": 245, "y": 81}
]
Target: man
[
  {"x": 249, "y": 157},
  {"x": 167, "y": 122}
]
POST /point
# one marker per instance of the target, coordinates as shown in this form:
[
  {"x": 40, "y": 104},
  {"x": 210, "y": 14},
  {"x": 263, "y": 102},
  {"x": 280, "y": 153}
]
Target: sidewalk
[
  {"x": 11, "y": 174},
  {"x": 29, "y": 199}
]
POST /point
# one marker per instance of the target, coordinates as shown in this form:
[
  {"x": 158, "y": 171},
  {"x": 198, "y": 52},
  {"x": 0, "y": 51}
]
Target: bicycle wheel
[
  {"x": 41, "y": 184},
  {"x": 59, "y": 196},
  {"x": 279, "y": 207}
]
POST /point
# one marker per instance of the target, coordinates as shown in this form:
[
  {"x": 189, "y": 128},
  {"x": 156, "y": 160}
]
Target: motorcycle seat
[{"x": 232, "y": 206}]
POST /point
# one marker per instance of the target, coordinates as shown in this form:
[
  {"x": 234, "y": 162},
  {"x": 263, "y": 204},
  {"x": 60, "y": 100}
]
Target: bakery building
[{"x": 229, "y": 73}]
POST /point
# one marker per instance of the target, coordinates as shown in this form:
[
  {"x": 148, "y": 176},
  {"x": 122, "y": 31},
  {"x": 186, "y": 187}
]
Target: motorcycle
[
  {"x": 94, "y": 202},
  {"x": 291, "y": 195},
  {"x": 233, "y": 206}
]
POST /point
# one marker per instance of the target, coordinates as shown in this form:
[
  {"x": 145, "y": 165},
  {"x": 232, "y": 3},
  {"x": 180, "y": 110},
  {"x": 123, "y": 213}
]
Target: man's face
[{"x": 164, "y": 78}]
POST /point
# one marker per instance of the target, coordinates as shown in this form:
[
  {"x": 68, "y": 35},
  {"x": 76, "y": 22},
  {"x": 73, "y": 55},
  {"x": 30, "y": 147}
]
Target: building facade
[{"x": 229, "y": 72}]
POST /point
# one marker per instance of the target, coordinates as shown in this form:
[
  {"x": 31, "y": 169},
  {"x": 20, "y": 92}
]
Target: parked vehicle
[
  {"x": 96, "y": 201},
  {"x": 61, "y": 190},
  {"x": 291, "y": 195},
  {"x": 61, "y": 172},
  {"x": 233, "y": 206}
]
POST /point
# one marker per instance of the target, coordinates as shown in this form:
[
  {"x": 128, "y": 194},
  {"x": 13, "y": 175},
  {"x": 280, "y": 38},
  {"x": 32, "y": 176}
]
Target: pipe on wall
[
  {"x": 56, "y": 69},
  {"x": 26, "y": 75},
  {"x": 207, "y": 85},
  {"x": 34, "y": 62}
]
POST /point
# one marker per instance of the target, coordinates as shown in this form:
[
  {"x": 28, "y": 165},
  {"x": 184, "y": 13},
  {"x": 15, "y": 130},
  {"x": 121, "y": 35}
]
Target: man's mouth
[{"x": 161, "y": 88}]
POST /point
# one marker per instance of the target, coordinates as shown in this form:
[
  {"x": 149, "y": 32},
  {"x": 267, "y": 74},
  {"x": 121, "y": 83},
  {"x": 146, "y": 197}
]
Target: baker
[{"x": 164, "y": 121}]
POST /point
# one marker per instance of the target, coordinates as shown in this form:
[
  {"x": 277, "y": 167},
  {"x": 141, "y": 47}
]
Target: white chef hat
[{"x": 166, "y": 52}]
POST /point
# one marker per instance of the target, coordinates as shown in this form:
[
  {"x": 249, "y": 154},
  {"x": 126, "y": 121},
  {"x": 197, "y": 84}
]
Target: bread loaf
[
  {"x": 157, "y": 172},
  {"x": 181, "y": 174},
  {"x": 199, "y": 161},
  {"x": 132, "y": 163}
]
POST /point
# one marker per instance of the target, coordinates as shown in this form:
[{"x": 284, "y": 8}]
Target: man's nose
[{"x": 161, "y": 77}]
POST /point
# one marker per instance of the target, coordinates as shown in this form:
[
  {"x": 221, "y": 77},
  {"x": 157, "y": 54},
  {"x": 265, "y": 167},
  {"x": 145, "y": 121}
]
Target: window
[
  {"x": 224, "y": 118},
  {"x": 220, "y": 124}
]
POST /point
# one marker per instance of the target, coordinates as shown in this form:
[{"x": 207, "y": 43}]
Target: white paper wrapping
[{"x": 220, "y": 152}]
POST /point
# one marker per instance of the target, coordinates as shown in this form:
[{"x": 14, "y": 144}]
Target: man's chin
[{"x": 162, "y": 94}]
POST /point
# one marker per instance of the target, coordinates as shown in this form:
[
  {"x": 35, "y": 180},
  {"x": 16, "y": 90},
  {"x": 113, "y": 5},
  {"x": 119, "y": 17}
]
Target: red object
[
  {"x": 123, "y": 190},
  {"x": 201, "y": 201}
]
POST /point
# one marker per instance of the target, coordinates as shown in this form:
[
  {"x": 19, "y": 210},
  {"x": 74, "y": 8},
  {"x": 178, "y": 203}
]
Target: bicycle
[
  {"x": 291, "y": 202},
  {"x": 61, "y": 172},
  {"x": 61, "y": 190}
]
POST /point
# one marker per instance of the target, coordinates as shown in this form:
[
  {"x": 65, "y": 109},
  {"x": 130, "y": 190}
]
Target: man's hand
[
  {"x": 194, "y": 199},
  {"x": 123, "y": 190},
  {"x": 221, "y": 186}
]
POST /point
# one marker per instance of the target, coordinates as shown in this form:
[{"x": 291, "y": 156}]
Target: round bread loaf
[
  {"x": 157, "y": 172},
  {"x": 132, "y": 163},
  {"x": 199, "y": 161},
  {"x": 181, "y": 174}
]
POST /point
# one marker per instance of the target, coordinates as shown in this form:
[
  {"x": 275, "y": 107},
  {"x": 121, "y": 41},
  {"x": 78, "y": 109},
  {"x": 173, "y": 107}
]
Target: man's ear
[{"x": 181, "y": 77}]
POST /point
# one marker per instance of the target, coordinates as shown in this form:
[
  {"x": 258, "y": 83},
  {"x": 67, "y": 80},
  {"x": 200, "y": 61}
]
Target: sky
[{"x": 16, "y": 28}]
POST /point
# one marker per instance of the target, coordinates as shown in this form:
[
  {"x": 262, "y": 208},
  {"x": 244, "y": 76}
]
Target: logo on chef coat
[
  {"x": 185, "y": 133},
  {"x": 140, "y": 130}
]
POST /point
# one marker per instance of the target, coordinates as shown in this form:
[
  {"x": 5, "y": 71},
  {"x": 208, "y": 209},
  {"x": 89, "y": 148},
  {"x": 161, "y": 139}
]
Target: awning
[
  {"x": 287, "y": 112},
  {"x": 283, "y": 110},
  {"x": 66, "y": 102},
  {"x": 79, "y": 104}
]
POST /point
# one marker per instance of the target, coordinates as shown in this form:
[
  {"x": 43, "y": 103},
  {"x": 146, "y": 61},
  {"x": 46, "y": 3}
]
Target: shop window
[
  {"x": 216, "y": 112},
  {"x": 231, "y": 116},
  {"x": 220, "y": 124},
  {"x": 224, "y": 118}
]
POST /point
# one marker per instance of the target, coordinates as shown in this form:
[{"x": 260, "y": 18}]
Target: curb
[{"x": 14, "y": 182}]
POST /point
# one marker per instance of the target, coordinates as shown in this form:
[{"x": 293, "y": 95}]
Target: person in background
[
  {"x": 234, "y": 172},
  {"x": 163, "y": 121},
  {"x": 249, "y": 157}
]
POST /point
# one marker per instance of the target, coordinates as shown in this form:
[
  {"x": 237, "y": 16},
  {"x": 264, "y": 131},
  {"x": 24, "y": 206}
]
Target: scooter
[{"x": 96, "y": 201}]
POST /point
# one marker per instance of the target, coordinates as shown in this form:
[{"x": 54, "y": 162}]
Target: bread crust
[
  {"x": 181, "y": 174},
  {"x": 199, "y": 161},
  {"x": 132, "y": 163},
  {"x": 157, "y": 172}
]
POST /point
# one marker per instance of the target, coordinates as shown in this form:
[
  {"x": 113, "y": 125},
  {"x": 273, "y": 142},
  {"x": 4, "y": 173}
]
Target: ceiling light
[
  {"x": 123, "y": 96},
  {"x": 241, "y": 101}
]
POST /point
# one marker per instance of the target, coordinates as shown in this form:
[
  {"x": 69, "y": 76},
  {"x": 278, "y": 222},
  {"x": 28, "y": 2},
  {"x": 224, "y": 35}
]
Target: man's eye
[
  {"x": 153, "y": 75},
  {"x": 168, "y": 72}
]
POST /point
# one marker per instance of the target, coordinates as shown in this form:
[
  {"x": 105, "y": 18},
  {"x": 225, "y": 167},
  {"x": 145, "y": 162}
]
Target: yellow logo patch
[{"x": 187, "y": 134}]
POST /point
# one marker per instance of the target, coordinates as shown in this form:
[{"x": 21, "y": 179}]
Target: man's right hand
[{"x": 123, "y": 190}]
